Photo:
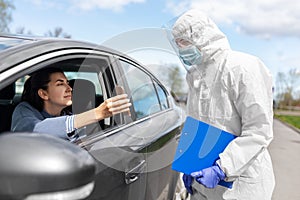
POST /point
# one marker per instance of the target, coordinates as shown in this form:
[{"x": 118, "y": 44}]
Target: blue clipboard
[{"x": 199, "y": 147}]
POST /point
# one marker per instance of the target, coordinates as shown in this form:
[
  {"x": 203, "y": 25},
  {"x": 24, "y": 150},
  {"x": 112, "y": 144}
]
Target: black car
[{"x": 122, "y": 157}]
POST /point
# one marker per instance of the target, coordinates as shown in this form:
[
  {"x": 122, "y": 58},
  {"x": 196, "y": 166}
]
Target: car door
[
  {"x": 158, "y": 124},
  {"x": 119, "y": 158},
  {"x": 133, "y": 152},
  {"x": 121, "y": 161}
]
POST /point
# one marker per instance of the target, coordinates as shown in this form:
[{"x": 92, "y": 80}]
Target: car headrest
[{"x": 83, "y": 95}]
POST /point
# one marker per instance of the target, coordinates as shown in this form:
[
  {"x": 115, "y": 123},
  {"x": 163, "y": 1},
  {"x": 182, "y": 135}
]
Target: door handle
[{"x": 133, "y": 174}]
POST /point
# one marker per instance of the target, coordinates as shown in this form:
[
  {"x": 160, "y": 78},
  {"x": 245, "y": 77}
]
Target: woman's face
[{"x": 59, "y": 93}]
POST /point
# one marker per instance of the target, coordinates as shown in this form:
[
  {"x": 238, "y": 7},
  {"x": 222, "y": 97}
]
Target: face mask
[{"x": 190, "y": 55}]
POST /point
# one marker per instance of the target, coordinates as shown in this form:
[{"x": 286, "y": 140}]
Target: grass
[{"x": 292, "y": 120}]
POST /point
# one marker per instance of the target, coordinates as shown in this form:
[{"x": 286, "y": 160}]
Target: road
[{"x": 285, "y": 153}]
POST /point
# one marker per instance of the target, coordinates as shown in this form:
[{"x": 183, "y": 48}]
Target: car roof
[
  {"x": 32, "y": 46},
  {"x": 26, "y": 47}
]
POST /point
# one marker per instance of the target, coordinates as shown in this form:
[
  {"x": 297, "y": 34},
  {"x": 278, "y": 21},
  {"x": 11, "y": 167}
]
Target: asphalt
[{"x": 285, "y": 154}]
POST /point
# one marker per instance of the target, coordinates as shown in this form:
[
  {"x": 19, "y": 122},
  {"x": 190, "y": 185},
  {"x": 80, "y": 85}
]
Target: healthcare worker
[{"x": 232, "y": 91}]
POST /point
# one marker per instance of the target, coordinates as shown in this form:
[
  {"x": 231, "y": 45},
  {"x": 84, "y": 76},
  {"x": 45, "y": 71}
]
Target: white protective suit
[{"x": 232, "y": 91}]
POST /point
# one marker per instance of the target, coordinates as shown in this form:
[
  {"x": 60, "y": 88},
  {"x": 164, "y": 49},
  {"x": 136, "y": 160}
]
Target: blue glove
[
  {"x": 209, "y": 177},
  {"x": 188, "y": 180}
]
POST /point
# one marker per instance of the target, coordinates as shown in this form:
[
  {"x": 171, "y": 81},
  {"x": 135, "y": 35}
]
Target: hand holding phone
[{"x": 120, "y": 90}]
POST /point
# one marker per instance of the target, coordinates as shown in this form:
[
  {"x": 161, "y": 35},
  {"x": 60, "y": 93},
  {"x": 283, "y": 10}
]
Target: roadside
[
  {"x": 284, "y": 151},
  {"x": 288, "y": 113}
]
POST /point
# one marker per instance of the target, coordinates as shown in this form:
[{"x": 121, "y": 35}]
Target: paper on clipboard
[{"x": 199, "y": 147}]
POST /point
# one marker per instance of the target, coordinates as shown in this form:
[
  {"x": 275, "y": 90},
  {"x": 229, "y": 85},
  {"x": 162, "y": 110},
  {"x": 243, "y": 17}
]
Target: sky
[{"x": 268, "y": 29}]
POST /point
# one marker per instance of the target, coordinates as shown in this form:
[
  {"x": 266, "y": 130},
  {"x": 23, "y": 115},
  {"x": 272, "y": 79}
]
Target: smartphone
[{"x": 120, "y": 90}]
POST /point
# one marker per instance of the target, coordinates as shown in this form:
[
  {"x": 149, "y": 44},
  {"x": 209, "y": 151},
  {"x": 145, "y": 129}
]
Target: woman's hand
[
  {"x": 109, "y": 107},
  {"x": 112, "y": 106}
]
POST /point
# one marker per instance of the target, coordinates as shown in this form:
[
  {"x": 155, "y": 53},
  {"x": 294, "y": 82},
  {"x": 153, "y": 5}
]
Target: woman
[{"x": 46, "y": 94}]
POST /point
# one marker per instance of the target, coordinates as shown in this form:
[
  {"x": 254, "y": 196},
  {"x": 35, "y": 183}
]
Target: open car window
[{"x": 90, "y": 80}]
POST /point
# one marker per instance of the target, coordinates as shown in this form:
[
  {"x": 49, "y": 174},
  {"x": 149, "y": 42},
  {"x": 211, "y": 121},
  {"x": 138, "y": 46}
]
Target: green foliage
[
  {"x": 175, "y": 79},
  {"x": 6, "y": 7},
  {"x": 287, "y": 89},
  {"x": 292, "y": 120}
]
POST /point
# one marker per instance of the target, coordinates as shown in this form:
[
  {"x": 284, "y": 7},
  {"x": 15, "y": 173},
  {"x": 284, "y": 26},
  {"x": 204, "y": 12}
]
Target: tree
[
  {"x": 287, "y": 87},
  {"x": 58, "y": 32},
  {"x": 21, "y": 30},
  {"x": 171, "y": 76},
  {"x": 176, "y": 80},
  {"x": 6, "y": 6}
]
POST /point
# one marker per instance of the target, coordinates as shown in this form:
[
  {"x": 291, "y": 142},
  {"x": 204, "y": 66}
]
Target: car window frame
[
  {"x": 122, "y": 80},
  {"x": 40, "y": 64}
]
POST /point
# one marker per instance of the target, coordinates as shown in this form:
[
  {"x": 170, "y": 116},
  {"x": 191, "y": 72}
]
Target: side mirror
[{"x": 41, "y": 166}]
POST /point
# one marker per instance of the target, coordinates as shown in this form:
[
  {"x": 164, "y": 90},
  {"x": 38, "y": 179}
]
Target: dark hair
[{"x": 38, "y": 80}]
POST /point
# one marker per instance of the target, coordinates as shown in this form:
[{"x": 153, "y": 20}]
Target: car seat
[
  {"x": 6, "y": 107},
  {"x": 84, "y": 99}
]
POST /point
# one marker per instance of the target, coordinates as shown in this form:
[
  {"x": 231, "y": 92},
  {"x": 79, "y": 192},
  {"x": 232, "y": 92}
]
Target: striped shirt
[{"x": 28, "y": 119}]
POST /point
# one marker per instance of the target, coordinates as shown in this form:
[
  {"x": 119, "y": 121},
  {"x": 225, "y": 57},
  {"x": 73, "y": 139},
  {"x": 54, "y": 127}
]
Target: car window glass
[
  {"x": 162, "y": 97},
  {"x": 87, "y": 76},
  {"x": 143, "y": 93},
  {"x": 20, "y": 84}
]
